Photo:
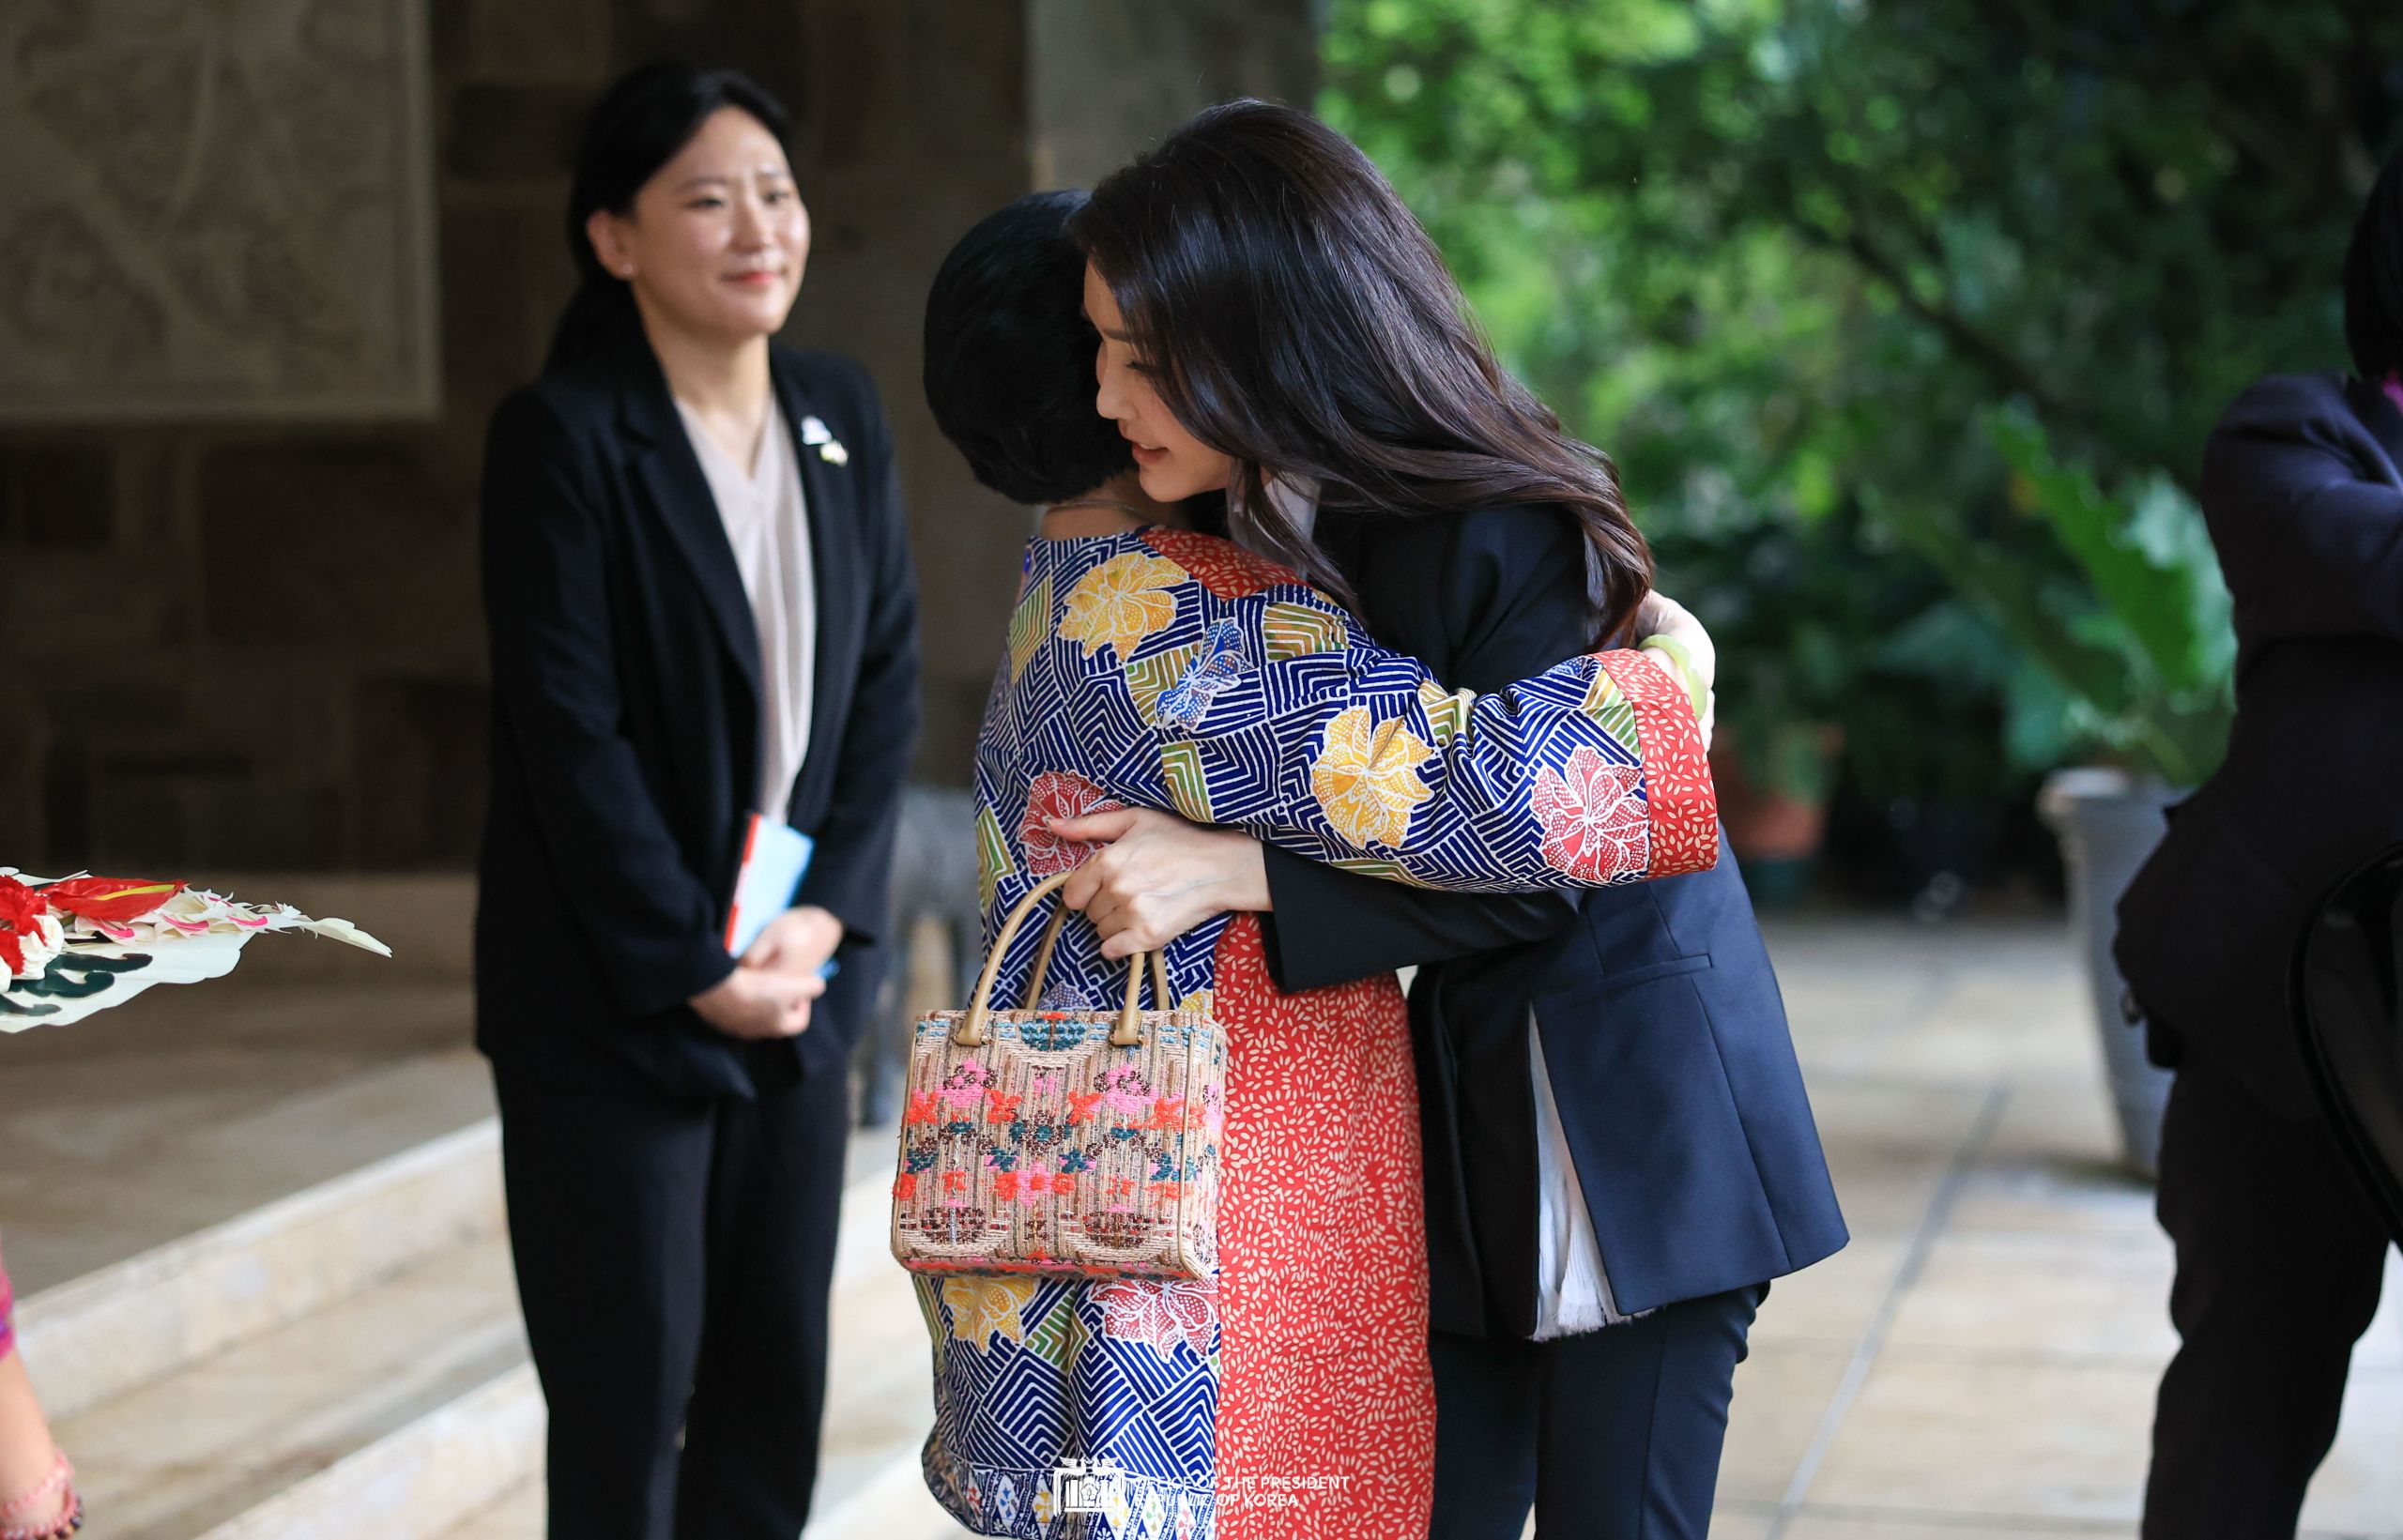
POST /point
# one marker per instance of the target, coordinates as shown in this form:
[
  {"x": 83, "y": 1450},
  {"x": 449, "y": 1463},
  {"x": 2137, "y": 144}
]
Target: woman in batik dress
[{"x": 1152, "y": 666}]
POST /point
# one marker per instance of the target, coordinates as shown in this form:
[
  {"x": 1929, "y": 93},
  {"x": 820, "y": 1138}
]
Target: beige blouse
[{"x": 767, "y": 522}]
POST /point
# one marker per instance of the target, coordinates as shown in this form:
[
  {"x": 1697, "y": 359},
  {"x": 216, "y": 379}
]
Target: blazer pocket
[{"x": 1628, "y": 978}]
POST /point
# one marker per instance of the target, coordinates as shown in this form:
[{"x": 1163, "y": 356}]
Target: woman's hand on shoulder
[
  {"x": 1678, "y": 644},
  {"x": 1157, "y": 877},
  {"x": 1663, "y": 617}
]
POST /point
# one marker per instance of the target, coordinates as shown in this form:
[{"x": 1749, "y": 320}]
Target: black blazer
[
  {"x": 626, "y": 719},
  {"x": 1661, "y": 1022},
  {"x": 2304, "y": 499}
]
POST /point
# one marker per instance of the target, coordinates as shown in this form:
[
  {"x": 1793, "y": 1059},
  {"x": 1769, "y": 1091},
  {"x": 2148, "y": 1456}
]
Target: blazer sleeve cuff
[
  {"x": 674, "y": 977},
  {"x": 1302, "y": 950}
]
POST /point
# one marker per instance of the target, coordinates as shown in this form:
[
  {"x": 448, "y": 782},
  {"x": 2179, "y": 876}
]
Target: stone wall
[
  {"x": 258, "y": 646},
  {"x": 1108, "y": 78}
]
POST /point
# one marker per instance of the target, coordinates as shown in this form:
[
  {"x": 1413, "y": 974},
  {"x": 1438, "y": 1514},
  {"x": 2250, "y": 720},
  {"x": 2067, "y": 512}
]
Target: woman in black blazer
[
  {"x": 2281, "y": 1252},
  {"x": 1600, "y": 1234},
  {"x": 697, "y": 585}
]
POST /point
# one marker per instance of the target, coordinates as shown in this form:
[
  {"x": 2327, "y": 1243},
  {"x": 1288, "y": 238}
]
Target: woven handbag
[{"x": 1082, "y": 1142}]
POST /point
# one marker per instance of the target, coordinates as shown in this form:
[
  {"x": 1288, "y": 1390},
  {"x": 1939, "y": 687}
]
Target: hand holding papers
[{"x": 775, "y": 857}]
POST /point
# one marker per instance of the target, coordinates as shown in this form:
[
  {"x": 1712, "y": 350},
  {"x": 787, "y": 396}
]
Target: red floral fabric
[
  {"x": 1225, "y": 569},
  {"x": 1162, "y": 1314},
  {"x": 1059, "y": 793},
  {"x": 1595, "y": 826},
  {"x": 1680, "y": 800},
  {"x": 1327, "y": 1420}
]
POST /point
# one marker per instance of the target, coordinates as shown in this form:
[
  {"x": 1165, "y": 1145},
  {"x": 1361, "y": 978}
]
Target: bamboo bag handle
[{"x": 1128, "y": 1033}]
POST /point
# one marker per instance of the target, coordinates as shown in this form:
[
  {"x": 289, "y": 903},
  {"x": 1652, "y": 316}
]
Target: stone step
[
  {"x": 349, "y": 1361},
  {"x": 285, "y": 1434},
  {"x": 894, "y": 1504},
  {"x": 189, "y": 1108},
  {"x": 156, "y": 1313}
]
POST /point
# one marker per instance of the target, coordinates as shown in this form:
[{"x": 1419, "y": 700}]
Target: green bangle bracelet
[{"x": 1681, "y": 664}]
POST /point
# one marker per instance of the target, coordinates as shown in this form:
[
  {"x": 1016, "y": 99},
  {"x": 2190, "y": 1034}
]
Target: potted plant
[
  {"x": 1814, "y": 618},
  {"x": 2133, "y": 635}
]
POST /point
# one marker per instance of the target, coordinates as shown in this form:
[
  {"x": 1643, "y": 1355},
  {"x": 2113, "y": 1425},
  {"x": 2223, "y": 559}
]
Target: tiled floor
[
  {"x": 1982, "y": 1361},
  {"x": 1979, "y": 1363}
]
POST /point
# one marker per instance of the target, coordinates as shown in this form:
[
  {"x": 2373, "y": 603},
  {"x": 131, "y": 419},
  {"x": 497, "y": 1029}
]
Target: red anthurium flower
[
  {"x": 19, "y": 906},
  {"x": 115, "y": 900}
]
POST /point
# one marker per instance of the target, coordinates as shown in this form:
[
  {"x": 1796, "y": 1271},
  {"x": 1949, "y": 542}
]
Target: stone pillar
[{"x": 1110, "y": 77}]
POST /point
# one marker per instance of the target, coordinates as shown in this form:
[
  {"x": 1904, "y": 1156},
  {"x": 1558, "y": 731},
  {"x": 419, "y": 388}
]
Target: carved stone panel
[{"x": 215, "y": 211}]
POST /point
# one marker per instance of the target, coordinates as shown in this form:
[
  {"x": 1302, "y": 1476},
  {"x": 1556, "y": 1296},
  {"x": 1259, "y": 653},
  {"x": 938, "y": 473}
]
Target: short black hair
[
  {"x": 2374, "y": 279},
  {"x": 1009, "y": 363}
]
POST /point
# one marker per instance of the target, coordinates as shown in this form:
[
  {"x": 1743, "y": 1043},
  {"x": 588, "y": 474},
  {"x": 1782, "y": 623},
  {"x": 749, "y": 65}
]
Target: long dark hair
[
  {"x": 640, "y": 125},
  {"x": 1296, "y": 316},
  {"x": 2374, "y": 279}
]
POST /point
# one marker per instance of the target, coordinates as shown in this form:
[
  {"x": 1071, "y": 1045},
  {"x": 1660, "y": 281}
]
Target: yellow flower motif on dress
[
  {"x": 986, "y": 1307},
  {"x": 1119, "y": 603},
  {"x": 1203, "y": 1000},
  {"x": 1366, "y": 778}
]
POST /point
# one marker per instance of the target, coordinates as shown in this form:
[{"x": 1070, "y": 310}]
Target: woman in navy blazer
[
  {"x": 1296, "y": 319},
  {"x": 2280, "y": 1251},
  {"x": 697, "y": 585}
]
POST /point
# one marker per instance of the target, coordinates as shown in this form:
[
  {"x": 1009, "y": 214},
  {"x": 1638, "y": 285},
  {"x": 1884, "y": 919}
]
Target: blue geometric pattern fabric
[{"x": 1168, "y": 670}]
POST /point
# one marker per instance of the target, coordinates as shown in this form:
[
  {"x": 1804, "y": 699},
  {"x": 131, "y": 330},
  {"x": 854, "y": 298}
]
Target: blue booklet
[{"x": 775, "y": 856}]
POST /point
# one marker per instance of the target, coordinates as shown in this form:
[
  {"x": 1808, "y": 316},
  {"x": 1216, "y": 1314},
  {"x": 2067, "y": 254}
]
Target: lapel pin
[{"x": 830, "y": 448}]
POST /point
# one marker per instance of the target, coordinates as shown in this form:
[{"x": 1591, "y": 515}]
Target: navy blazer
[
  {"x": 2302, "y": 492},
  {"x": 1661, "y": 1022},
  {"x": 627, "y": 720}
]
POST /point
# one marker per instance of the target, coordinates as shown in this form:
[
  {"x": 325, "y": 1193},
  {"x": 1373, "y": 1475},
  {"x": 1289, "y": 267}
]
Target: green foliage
[
  {"x": 1898, "y": 290},
  {"x": 2140, "y": 652}
]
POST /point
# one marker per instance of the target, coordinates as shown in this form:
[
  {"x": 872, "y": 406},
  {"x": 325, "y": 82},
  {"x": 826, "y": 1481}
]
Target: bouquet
[{"x": 75, "y": 945}]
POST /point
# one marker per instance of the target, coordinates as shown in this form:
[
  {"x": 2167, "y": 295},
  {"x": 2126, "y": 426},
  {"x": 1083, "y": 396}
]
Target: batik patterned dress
[{"x": 1289, "y": 1396}]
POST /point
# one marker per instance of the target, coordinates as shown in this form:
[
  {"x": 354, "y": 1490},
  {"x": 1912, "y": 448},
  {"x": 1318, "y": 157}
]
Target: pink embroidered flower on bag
[
  {"x": 1595, "y": 827},
  {"x": 1163, "y": 1314},
  {"x": 964, "y": 1087},
  {"x": 1127, "y": 1094},
  {"x": 1058, "y": 794}
]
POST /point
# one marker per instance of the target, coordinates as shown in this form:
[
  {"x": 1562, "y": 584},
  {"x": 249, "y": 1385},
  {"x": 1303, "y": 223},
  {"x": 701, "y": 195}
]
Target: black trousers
[
  {"x": 674, "y": 1260},
  {"x": 2279, "y": 1257},
  {"x": 1609, "y": 1435}
]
